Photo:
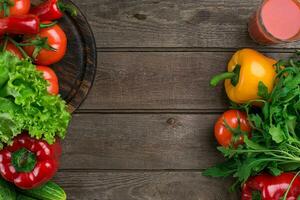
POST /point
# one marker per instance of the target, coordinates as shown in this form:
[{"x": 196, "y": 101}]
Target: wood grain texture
[
  {"x": 143, "y": 186},
  {"x": 144, "y": 156},
  {"x": 159, "y": 80},
  {"x": 171, "y": 23},
  {"x": 140, "y": 141},
  {"x": 76, "y": 71}
]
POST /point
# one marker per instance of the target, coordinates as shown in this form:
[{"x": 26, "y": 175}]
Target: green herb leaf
[
  {"x": 221, "y": 170},
  {"x": 227, "y": 152},
  {"x": 291, "y": 123},
  {"x": 266, "y": 110},
  {"x": 256, "y": 120},
  {"x": 252, "y": 145},
  {"x": 273, "y": 169},
  {"x": 251, "y": 166},
  {"x": 277, "y": 134},
  {"x": 290, "y": 166},
  {"x": 263, "y": 90}
]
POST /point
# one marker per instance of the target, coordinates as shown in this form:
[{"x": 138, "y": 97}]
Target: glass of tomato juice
[{"x": 276, "y": 21}]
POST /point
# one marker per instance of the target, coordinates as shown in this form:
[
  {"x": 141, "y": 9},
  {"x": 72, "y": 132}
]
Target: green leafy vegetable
[
  {"x": 25, "y": 103},
  {"x": 262, "y": 90},
  {"x": 276, "y": 133},
  {"x": 274, "y": 145},
  {"x": 221, "y": 170}
]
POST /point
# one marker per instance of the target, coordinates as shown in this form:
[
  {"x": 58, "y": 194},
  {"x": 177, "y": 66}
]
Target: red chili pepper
[
  {"x": 272, "y": 187},
  {"x": 24, "y": 24},
  {"x": 52, "y": 10},
  {"x": 29, "y": 162}
]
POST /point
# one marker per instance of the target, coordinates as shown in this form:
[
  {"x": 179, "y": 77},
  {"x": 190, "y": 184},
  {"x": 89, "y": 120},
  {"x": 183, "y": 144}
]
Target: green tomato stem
[
  {"x": 48, "y": 24},
  {"x": 18, "y": 46}
]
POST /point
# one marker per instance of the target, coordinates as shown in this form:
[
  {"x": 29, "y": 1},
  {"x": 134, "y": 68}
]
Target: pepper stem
[
  {"x": 48, "y": 24},
  {"x": 256, "y": 195},
  {"x": 234, "y": 76},
  {"x": 23, "y": 160},
  {"x": 220, "y": 77},
  {"x": 65, "y": 7}
]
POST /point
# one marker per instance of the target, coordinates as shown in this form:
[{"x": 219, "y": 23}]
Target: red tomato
[
  {"x": 233, "y": 118},
  {"x": 14, "y": 50},
  {"x": 56, "y": 39},
  {"x": 19, "y": 7},
  {"x": 51, "y": 77}
]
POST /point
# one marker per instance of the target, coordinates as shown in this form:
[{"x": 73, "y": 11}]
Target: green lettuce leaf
[{"x": 25, "y": 103}]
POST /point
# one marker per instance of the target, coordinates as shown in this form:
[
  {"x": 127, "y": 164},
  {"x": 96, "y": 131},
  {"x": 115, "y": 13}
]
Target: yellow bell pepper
[{"x": 246, "y": 69}]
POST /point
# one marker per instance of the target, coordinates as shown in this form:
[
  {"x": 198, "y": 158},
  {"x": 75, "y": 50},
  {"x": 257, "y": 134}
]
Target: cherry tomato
[
  {"x": 14, "y": 50},
  {"x": 232, "y": 136},
  {"x": 51, "y": 77},
  {"x": 56, "y": 39},
  {"x": 19, "y": 7}
]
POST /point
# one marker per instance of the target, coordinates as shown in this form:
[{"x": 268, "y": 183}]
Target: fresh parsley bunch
[{"x": 274, "y": 144}]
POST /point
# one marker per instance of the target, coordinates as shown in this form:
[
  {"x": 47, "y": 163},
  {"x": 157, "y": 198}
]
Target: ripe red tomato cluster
[{"x": 49, "y": 43}]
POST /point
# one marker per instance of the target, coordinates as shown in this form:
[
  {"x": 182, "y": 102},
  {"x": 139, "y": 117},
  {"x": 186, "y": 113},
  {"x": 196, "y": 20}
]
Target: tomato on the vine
[
  {"x": 231, "y": 127},
  {"x": 48, "y": 47},
  {"x": 14, "y": 7},
  {"x": 13, "y": 49},
  {"x": 51, "y": 77}
]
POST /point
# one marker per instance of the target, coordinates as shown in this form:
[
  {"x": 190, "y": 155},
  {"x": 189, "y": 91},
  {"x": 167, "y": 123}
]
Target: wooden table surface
[{"x": 145, "y": 132}]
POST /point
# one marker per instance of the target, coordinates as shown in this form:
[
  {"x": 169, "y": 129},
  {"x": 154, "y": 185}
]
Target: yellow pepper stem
[
  {"x": 234, "y": 76},
  {"x": 220, "y": 77}
]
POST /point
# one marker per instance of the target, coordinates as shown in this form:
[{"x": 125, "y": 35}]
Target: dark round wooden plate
[{"x": 77, "y": 70}]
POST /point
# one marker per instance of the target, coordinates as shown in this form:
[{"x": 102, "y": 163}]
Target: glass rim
[{"x": 264, "y": 29}]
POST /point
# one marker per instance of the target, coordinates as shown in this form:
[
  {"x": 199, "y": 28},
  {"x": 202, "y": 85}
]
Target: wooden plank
[
  {"x": 140, "y": 141},
  {"x": 171, "y": 23},
  {"x": 143, "y": 186},
  {"x": 159, "y": 80}
]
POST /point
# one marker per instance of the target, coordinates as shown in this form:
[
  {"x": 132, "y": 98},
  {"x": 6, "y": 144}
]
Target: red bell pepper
[
  {"x": 29, "y": 162},
  {"x": 272, "y": 187},
  {"x": 52, "y": 10}
]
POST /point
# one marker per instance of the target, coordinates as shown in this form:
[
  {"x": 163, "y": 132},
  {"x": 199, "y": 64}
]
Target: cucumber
[
  {"x": 49, "y": 191},
  {"x": 7, "y": 191},
  {"x": 22, "y": 197}
]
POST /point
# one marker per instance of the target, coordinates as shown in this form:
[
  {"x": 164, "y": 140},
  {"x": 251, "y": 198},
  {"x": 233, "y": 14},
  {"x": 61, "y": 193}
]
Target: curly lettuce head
[{"x": 25, "y": 103}]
